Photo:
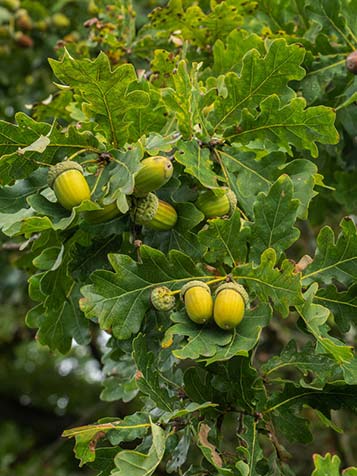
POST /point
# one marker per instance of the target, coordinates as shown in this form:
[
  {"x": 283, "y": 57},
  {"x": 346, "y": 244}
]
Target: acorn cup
[
  {"x": 69, "y": 184},
  {"x": 229, "y": 305},
  {"x": 162, "y": 299},
  {"x": 213, "y": 206},
  {"x": 154, "y": 173},
  {"x": 198, "y": 301},
  {"x": 107, "y": 213},
  {"x": 154, "y": 213}
]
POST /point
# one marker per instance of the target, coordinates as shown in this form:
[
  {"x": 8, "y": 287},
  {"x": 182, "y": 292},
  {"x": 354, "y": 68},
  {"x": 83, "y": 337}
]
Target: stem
[
  {"x": 97, "y": 181},
  {"x": 213, "y": 281},
  {"x": 78, "y": 152}
]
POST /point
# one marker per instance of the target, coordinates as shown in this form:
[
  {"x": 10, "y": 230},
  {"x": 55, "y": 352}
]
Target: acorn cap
[
  {"x": 236, "y": 287},
  {"x": 232, "y": 201},
  {"x": 146, "y": 209},
  {"x": 57, "y": 169},
  {"x": 193, "y": 284}
]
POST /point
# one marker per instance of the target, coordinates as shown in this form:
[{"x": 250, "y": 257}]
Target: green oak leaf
[
  {"x": 88, "y": 436},
  {"x": 148, "y": 379},
  {"x": 13, "y": 199},
  {"x": 150, "y": 117},
  {"x": 315, "y": 317},
  {"x": 328, "y": 464},
  {"x": 252, "y": 172},
  {"x": 249, "y": 450},
  {"x": 279, "y": 128},
  {"x": 228, "y": 55},
  {"x": 343, "y": 305},
  {"x": 130, "y": 428},
  {"x": 120, "y": 383},
  {"x": 281, "y": 286},
  {"x": 284, "y": 406},
  {"x": 346, "y": 189},
  {"x": 316, "y": 369},
  {"x": 15, "y": 164},
  {"x": 184, "y": 98},
  {"x": 225, "y": 240},
  {"x": 336, "y": 18},
  {"x": 106, "y": 94},
  {"x": 202, "y": 341},
  {"x": 141, "y": 464},
  {"x": 261, "y": 76},
  {"x": 210, "y": 343},
  {"x": 334, "y": 260},
  {"x": 197, "y": 162},
  {"x": 239, "y": 381},
  {"x": 246, "y": 335},
  {"x": 274, "y": 218}
]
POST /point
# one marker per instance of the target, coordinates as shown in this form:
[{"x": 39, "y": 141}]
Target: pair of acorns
[
  {"x": 227, "y": 308},
  {"x": 71, "y": 189}
]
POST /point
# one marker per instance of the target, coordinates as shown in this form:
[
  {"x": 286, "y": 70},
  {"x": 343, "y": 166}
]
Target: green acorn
[
  {"x": 154, "y": 213},
  {"x": 107, "y": 213},
  {"x": 229, "y": 305},
  {"x": 213, "y": 206},
  {"x": 162, "y": 299},
  {"x": 11, "y": 4},
  {"x": 198, "y": 301},
  {"x": 69, "y": 184},
  {"x": 154, "y": 173},
  {"x": 59, "y": 20}
]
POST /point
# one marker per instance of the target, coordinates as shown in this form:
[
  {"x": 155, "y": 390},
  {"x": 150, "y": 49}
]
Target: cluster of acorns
[
  {"x": 71, "y": 189},
  {"x": 227, "y": 307}
]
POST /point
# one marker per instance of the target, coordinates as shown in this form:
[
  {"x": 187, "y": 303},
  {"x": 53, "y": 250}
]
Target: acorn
[
  {"x": 154, "y": 213},
  {"x": 351, "y": 62},
  {"x": 162, "y": 299},
  {"x": 154, "y": 173},
  {"x": 107, "y": 213},
  {"x": 213, "y": 206},
  {"x": 23, "y": 20},
  {"x": 69, "y": 184},
  {"x": 11, "y": 4},
  {"x": 229, "y": 305},
  {"x": 198, "y": 301},
  {"x": 22, "y": 40},
  {"x": 59, "y": 20}
]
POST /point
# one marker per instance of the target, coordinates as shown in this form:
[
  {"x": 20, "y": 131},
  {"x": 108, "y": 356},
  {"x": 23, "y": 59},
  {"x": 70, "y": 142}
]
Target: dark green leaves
[
  {"x": 260, "y": 77},
  {"x": 274, "y": 218},
  {"x": 140, "y": 464},
  {"x": 148, "y": 377},
  {"x": 16, "y": 164},
  {"x": 281, "y": 286},
  {"x": 335, "y": 259},
  {"x": 106, "y": 94},
  {"x": 211, "y": 344},
  {"x": 290, "y": 125}
]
